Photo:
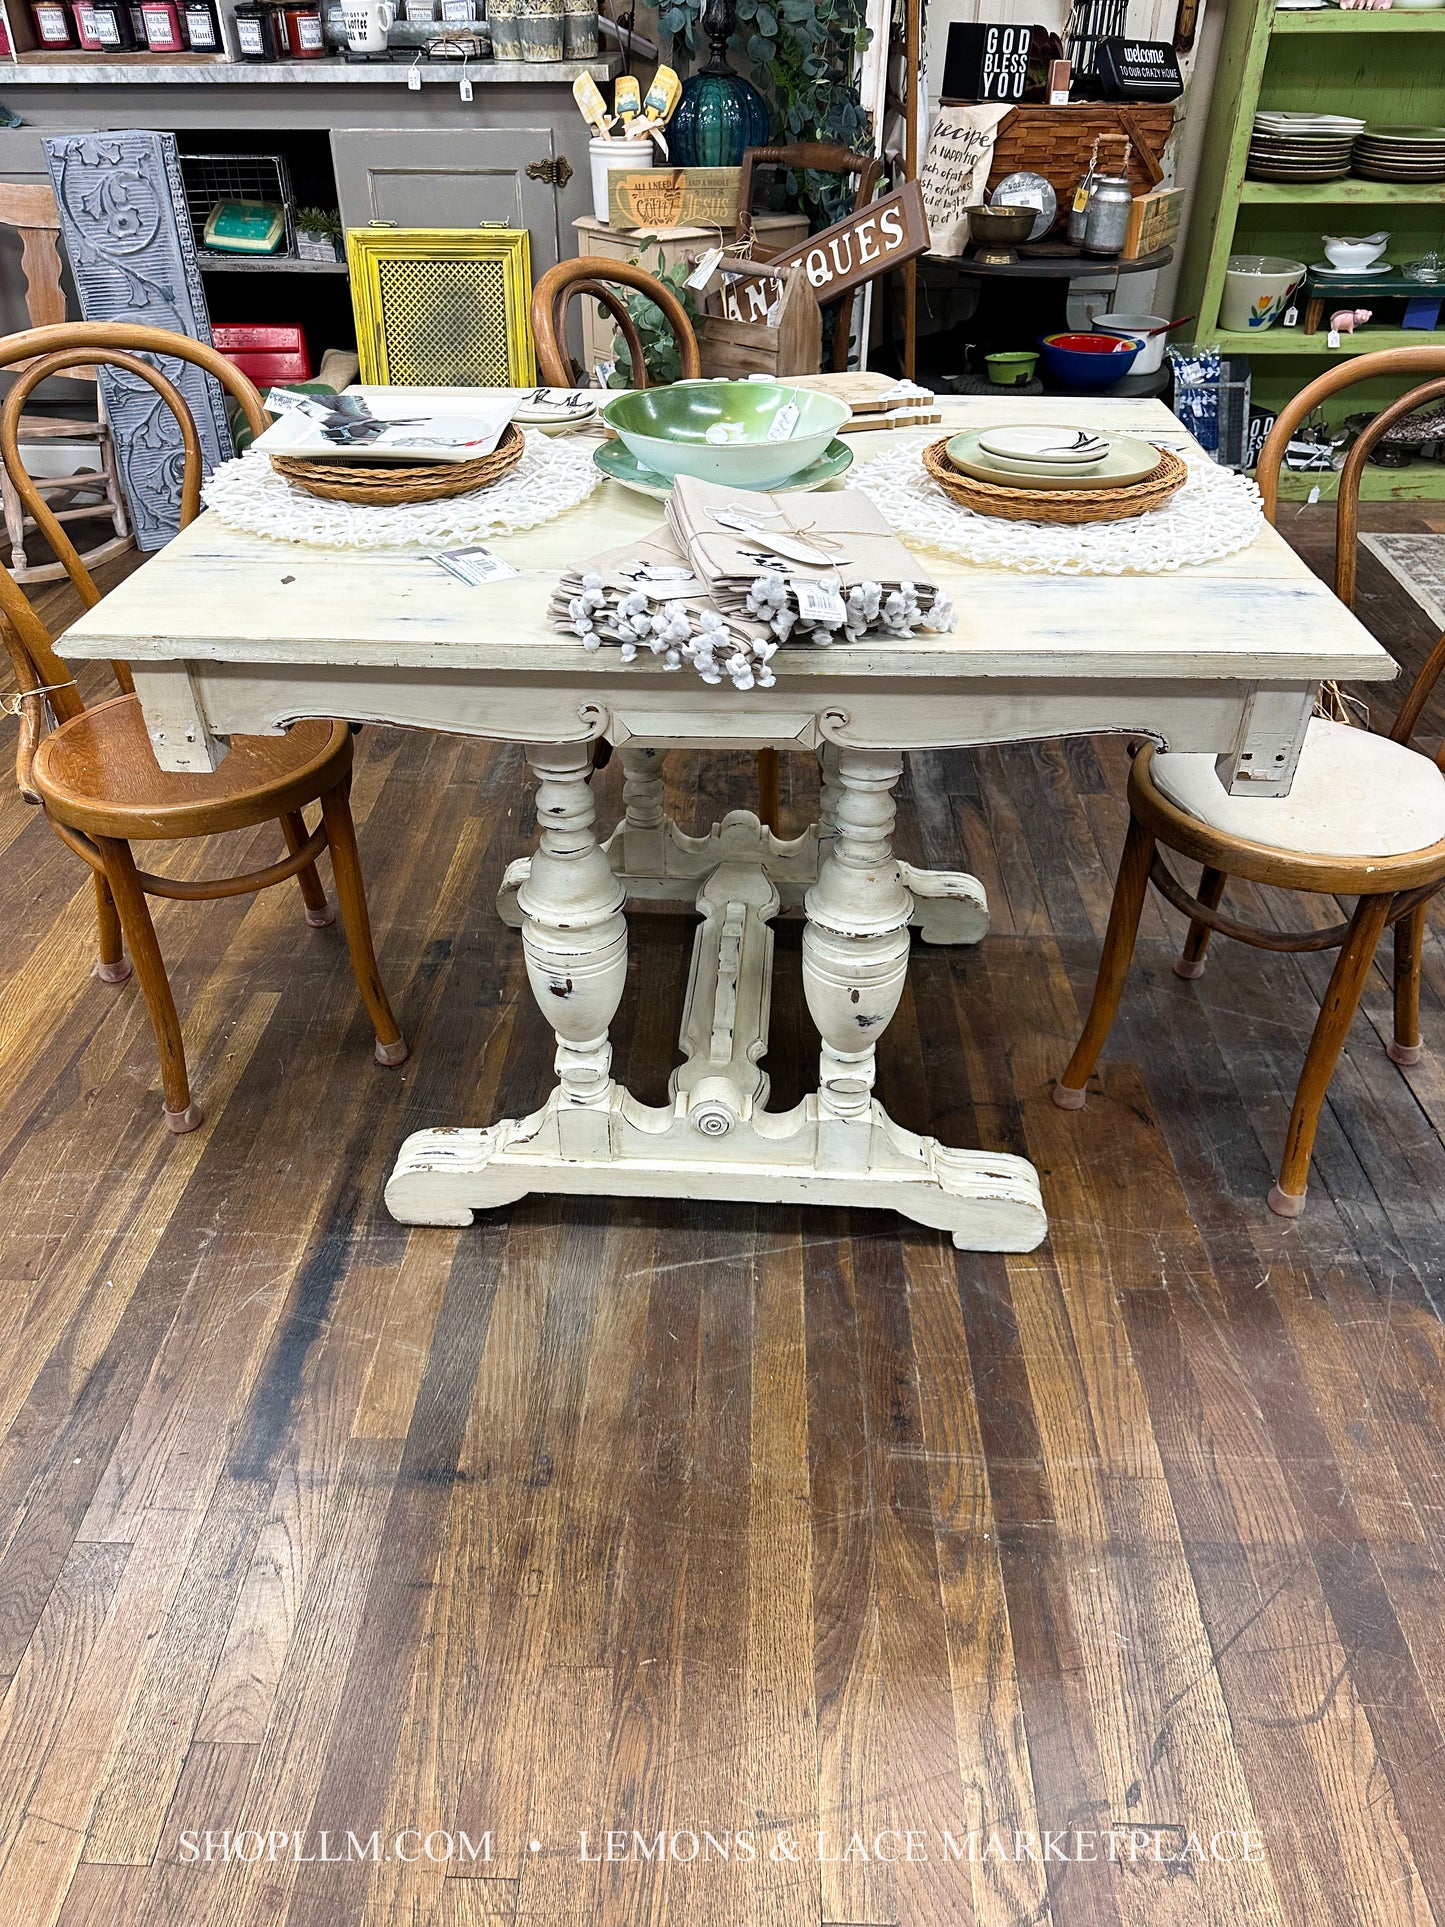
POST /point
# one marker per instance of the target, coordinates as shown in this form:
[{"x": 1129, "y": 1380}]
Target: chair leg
[
  {"x": 1130, "y": 890},
  {"x": 1189, "y": 964},
  {"x": 768, "y": 789},
  {"x": 180, "y": 1113},
  {"x": 14, "y": 526},
  {"x": 111, "y": 965},
  {"x": 319, "y": 912},
  {"x": 1337, "y": 1013},
  {"x": 391, "y": 1046},
  {"x": 1405, "y": 1048},
  {"x": 114, "y": 494}
]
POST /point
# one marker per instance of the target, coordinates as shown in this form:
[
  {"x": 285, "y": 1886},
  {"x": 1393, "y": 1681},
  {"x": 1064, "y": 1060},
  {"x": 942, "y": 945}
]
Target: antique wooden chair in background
[
  {"x": 595, "y": 277},
  {"x": 1364, "y": 818},
  {"x": 29, "y": 207},
  {"x": 95, "y": 774},
  {"x": 590, "y": 275},
  {"x": 823, "y": 157}
]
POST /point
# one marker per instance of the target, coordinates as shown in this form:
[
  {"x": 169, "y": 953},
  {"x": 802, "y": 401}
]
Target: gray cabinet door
[{"x": 444, "y": 177}]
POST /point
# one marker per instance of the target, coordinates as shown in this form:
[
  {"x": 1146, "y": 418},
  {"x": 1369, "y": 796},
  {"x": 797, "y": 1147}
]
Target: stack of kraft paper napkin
[{"x": 735, "y": 572}]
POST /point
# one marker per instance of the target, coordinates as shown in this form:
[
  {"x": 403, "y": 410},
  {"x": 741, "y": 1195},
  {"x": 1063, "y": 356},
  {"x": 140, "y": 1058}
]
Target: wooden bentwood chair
[
  {"x": 1364, "y": 818},
  {"x": 95, "y": 774},
  {"x": 589, "y": 276},
  {"x": 594, "y": 277},
  {"x": 84, "y": 495}
]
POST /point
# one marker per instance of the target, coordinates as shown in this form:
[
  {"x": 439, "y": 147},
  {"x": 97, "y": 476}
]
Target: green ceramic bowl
[{"x": 667, "y": 429}]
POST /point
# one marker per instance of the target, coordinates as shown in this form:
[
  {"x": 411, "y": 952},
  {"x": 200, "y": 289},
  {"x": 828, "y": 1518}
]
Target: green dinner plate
[
  {"x": 614, "y": 459},
  {"x": 1128, "y": 460}
]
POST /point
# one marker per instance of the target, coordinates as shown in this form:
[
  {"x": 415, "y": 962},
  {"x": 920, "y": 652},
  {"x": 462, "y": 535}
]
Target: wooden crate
[
  {"x": 774, "y": 231},
  {"x": 792, "y": 344}
]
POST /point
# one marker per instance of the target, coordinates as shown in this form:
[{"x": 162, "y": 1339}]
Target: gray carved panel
[{"x": 133, "y": 256}]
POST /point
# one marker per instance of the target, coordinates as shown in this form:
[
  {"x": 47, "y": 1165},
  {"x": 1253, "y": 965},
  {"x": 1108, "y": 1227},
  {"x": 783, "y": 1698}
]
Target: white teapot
[{"x": 367, "y": 25}]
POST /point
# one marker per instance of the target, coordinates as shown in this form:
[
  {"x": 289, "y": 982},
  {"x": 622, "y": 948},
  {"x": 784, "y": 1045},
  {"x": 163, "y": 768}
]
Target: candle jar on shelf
[
  {"x": 104, "y": 26},
  {"x": 53, "y": 25},
  {"x": 202, "y": 27},
  {"x": 255, "y": 31},
  {"x": 164, "y": 32},
  {"x": 299, "y": 26}
]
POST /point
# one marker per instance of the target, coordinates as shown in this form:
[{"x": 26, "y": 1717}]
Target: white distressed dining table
[{"x": 229, "y": 634}]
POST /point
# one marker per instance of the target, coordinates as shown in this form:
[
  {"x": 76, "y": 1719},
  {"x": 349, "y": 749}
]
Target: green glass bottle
[{"x": 720, "y": 114}]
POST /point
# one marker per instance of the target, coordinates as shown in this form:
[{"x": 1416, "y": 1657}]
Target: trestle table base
[{"x": 716, "y": 1139}]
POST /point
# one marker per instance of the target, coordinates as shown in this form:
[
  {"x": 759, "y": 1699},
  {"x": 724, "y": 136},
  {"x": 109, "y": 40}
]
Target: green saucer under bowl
[
  {"x": 616, "y": 460},
  {"x": 1128, "y": 460}
]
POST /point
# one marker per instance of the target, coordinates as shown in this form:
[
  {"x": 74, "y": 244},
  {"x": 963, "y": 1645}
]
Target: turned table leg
[
  {"x": 855, "y": 947},
  {"x": 574, "y": 937}
]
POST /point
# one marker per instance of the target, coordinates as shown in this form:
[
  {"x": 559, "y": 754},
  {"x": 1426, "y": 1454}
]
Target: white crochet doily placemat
[
  {"x": 551, "y": 477},
  {"x": 1215, "y": 513}
]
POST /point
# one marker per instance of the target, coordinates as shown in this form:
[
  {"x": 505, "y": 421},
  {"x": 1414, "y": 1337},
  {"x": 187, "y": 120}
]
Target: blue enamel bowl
[{"x": 1089, "y": 360}]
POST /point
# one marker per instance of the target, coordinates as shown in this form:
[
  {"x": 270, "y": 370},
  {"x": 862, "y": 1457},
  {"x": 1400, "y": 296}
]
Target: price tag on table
[{"x": 475, "y": 566}]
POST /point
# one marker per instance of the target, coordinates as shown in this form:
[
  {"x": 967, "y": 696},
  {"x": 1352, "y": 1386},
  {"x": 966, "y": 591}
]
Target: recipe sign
[{"x": 866, "y": 243}]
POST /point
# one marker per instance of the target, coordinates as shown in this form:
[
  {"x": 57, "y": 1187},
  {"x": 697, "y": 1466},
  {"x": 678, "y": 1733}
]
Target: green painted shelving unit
[{"x": 1386, "y": 66}]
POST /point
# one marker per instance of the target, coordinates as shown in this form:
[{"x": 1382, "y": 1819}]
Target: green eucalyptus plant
[
  {"x": 802, "y": 53},
  {"x": 660, "y": 353}
]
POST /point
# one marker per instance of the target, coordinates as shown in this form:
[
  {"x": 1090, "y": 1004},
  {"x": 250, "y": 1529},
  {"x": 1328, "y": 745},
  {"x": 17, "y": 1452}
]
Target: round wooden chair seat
[
  {"x": 1354, "y": 795},
  {"x": 98, "y": 773}
]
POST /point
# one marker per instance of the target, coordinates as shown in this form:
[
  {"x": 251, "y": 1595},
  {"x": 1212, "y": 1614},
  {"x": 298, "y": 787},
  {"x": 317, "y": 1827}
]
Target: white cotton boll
[
  {"x": 712, "y": 674},
  {"x": 628, "y": 652},
  {"x": 592, "y": 641},
  {"x": 593, "y": 581},
  {"x": 765, "y": 651},
  {"x": 672, "y": 660},
  {"x": 823, "y": 638},
  {"x": 766, "y": 679}
]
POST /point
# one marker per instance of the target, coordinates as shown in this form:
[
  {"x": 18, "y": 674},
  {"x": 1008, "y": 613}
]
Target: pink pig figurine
[{"x": 1345, "y": 321}]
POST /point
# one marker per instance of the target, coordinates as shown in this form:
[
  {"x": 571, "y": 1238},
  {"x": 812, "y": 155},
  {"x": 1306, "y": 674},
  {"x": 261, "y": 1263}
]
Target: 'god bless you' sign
[{"x": 868, "y": 242}]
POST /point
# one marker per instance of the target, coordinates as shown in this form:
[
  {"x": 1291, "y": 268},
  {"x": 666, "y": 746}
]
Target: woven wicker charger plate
[
  {"x": 1056, "y": 505},
  {"x": 394, "y": 484}
]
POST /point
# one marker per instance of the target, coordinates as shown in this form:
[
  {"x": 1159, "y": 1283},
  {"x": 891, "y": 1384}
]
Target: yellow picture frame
[{"x": 442, "y": 307}]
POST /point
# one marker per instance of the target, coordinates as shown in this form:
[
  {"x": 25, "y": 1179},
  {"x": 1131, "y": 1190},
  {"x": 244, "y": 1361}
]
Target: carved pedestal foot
[{"x": 985, "y": 1201}]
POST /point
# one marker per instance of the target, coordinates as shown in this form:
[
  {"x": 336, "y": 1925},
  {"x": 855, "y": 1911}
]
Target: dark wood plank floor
[{"x": 1101, "y": 1587}]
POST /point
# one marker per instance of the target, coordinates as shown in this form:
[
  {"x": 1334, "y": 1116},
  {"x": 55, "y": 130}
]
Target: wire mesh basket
[{"x": 210, "y": 178}]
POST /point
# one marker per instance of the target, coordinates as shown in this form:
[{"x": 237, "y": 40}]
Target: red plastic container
[{"x": 266, "y": 352}]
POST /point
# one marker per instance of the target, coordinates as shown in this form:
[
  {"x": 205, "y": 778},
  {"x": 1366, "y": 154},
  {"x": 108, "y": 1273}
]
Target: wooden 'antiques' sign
[
  {"x": 868, "y": 242},
  {"x": 986, "y": 61},
  {"x": 674, "y": 197}
]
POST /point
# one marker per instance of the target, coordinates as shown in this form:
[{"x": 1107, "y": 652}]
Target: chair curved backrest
[
  {"x": 1345, "y": 374},
  {"x": 822, "y": 157},
  {"x": 595, "y": 276},
  {"x": 55, "y": 350}
]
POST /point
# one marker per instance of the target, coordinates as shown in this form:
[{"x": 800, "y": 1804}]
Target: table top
[{"x": 215, "y": 595}]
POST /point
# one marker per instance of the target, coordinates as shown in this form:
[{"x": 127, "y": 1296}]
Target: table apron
[{"x": 1254, "y": 727}]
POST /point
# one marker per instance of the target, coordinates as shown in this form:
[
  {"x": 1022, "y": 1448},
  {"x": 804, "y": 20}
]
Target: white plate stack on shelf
[
  {"x": 1401, "y": 153},
  {"x": 1300, "y": 147}
]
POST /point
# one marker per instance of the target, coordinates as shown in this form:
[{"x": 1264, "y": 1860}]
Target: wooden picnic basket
[{"x": 1057, "y": 141}]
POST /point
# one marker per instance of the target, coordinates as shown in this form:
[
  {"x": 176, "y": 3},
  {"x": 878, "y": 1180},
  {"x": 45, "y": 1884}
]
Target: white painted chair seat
[{"x": 1355, "y": 794}]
